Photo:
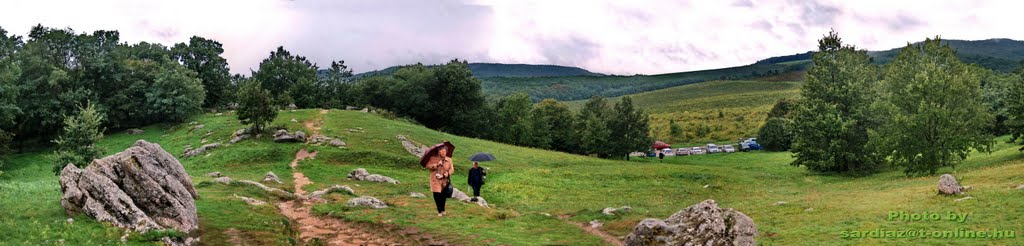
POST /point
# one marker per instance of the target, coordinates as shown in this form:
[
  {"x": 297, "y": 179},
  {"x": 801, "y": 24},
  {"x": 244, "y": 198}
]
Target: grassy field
[
  {"x": 525, "y": 186},
  {"x": 715, "y": 111}
]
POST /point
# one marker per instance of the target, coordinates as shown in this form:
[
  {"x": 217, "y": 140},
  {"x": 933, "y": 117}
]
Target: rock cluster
[
  {"x": 240, "y": 135},
  {"x": 701, "y": 224},
  {"x": 282, "y": 136},
  {"x": 190, "y": 152},
  {"x": 141, "y": 188},
  {"x": 321, "y": 139},
  {"x": 362, "y": 174},
  {"x": 366, "y": 201}
]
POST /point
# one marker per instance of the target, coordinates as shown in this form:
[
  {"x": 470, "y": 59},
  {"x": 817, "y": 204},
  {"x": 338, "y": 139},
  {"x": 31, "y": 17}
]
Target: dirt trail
[{"x": 608, "y": 238}]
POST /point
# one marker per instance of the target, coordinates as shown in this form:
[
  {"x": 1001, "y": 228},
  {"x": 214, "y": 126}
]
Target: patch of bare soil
[{"x": 608, "y": 238}]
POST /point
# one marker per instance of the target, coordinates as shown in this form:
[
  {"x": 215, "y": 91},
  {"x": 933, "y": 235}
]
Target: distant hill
[
  {"x": 997, "y": 54},
  {"x": 483, "y": 70}
]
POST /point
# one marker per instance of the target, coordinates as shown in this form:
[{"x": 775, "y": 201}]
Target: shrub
[
  {"x": 776, "y": 135},
  {"x": 77, "y": 142}
]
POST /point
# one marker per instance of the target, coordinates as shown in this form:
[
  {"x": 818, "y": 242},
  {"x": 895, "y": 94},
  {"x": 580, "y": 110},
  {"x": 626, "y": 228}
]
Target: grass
[
  {"x": 716, "y": 111},
  {"x": 525, "y": 186}
]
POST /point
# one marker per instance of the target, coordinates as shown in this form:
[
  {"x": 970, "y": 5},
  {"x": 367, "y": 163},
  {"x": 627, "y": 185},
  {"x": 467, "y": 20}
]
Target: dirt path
[{"x": 608, "y": 238}]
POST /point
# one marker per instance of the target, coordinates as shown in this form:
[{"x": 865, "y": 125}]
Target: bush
[
  {"x": 77, "y": 142},
  {"x": 775, "y": 135},
  {"x": 255, "y": 105}
]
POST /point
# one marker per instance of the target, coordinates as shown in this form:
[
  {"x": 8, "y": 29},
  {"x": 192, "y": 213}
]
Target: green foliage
[
  {"x": 77, "y": 142},
  {"x": 782, "y": 108},
  {"x": 255, "y": 105},
  {"x": 776, "y": 134},
  {"x": 831, "y": 124},
  {"x": 629, "y": 128},
  {"x": 554, "y": 126},
  {"x": 176, "y": 94},
  {"x": 334, "y": 88},
  {"x": 1014, "y": 110},
  {"x": 931, "y": 108},
  {"x": 282, "y": 70},
  {"x": 674, "y": 130},
  {"x": 514, "y": 115},
  {"x": 593, "y": 127},
  {"x": 203, "y": 56}
]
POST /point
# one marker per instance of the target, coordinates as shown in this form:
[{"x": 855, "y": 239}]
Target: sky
[{"x": 613, "y": 37}]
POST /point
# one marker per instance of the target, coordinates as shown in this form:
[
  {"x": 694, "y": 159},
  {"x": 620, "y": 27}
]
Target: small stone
[
  {"x": 271, "y": 177},
  {"x": 707, "y": 186},
  {"x": 197, "y": 127},
  {"x": 949, "y": 186},
  {"x": 222, "y": 180},
  {"x": 596, "y": 224},
  {"x": 251, "y": 201},
  {"x": 71, "y": 220},
  {"x": 135, "y": 131},
  {"x": 416, "y": 194},
  {"x": 366, "y": 201},
  {"x": 808, "y": 209},
  {"x": 1020, "y": 187},
  {"x": 214, "y": 174},
  {"x": 779, "y": 203},
  {"x": 294, "y": 120}
]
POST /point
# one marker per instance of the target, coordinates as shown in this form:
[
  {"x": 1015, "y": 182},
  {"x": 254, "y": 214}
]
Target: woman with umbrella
[
  {"x": 477, "y": 175},
  {"x": 438, "y": 159}
]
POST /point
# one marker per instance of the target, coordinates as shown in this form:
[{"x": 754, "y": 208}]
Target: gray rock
[
  {"x": 411, "y": 147},
  {"x": 214, "y": 174},
  {"x": 1020, "y": 187},
  {"x": 701, "y": 224},
  {"x": 596, "y": 224},
  {"x": 135, "y": 131},
  {"x": 294, "y": 120},
  {"x": 779, "y": 203},
  {"x": 197, "y": 127},
  {"x": 271, "y": 177},
  {"x": 251, "y": 201},
  {"x": 351, "y": 108},
  {"x": 337, "y": 143},
  {"x": 362, "y": 174},
  {"x": 949, "y": 186},
  {"x": 365, "y": 110},
  {"x": 366, "y": 201},
  {"x": 273, "y": 191},
  {"x": 141, "y": 188},
  {"x": 239, "y": 135},
  {"x": 282, "y": 136},
  {"x": 462, "y": 197},
  {"x": 613, "y": 211},
  {"x": 300, "y": 136},
  {"x": 416, "y": 195},
  {"x": 197, "y": 151},
  {"x": 222, "y": 180},
  {"x": 291, "y": 106},
  {"x": 335, "y": 188},
  {"x": 232, "y": 106}
]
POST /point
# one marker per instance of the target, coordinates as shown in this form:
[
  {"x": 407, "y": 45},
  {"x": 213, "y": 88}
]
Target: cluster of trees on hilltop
[{"x": 923, "y": 111}]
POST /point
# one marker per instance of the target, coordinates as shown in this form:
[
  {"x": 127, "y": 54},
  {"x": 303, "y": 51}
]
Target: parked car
[
  {"x": 668, "y": 152},
  {"x": 749, "y": 144},
  {"x": 728, "y": 149},
  {"x": 712, "y": 148},
  {"x": 683, "y": 151},
  {"x": 696, "y": 151}
]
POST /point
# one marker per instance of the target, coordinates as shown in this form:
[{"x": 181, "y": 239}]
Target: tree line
[
  {"x": 924, "y": 110},
  {"x": 67, "y": 88}
]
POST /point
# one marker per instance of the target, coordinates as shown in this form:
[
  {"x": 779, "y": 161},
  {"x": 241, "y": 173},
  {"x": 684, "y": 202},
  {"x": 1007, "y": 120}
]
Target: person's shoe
[
  {"x": 472, "y": 199},
  {"x": 440, "y": 214}
]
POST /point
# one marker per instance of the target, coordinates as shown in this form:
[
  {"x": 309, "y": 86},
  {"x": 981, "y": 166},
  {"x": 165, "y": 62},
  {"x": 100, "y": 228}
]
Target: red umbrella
[
  {"x": 658, "y": 145},
  {"x": 431, "y": 154}
]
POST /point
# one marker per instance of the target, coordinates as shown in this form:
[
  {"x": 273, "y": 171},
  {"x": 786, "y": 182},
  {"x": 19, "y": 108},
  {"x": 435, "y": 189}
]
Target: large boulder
[
  {"x": 282, "y": 136},
  {"x": 411, "y": 147},
  {"x": 141, "y": 188},
  {"x": 949, "y": 186},
  {"x": 701, "y": 224},
  {"x": 362, "y": 174}
]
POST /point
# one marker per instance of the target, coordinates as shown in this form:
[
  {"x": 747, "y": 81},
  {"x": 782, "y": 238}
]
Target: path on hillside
[
  {"x": 330, "y": 231},
  {"x": 608, "y": 238}
]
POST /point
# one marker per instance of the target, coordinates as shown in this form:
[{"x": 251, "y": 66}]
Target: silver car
[
  {"x": 683, "y": 151},
  {"x": 712, "y": 148},
  {"x": 728, "y": 149},
  {"x": 696, "y": 151}
]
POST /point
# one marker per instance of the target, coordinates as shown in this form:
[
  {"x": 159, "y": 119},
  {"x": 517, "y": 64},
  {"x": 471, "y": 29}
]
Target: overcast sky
[{"x": 620, "y": 37}]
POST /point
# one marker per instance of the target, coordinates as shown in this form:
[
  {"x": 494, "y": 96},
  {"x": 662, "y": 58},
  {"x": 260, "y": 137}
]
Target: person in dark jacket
[{"x": 477, "y": 175}]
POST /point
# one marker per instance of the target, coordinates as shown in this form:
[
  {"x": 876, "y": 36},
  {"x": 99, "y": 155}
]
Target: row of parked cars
[{"x": 745, "y": 145}]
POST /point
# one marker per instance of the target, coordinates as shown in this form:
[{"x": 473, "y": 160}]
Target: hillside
[
  {"x": 1001, "y": 54},
  {"x": 538, "y": 197},
  {"x": 721, "y": 111},
  {"x": 481, "y": 70}
]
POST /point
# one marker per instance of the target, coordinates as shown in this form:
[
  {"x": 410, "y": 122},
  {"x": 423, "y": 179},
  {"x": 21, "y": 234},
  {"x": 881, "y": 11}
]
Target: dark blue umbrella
[{"x": 482, "y": 157}]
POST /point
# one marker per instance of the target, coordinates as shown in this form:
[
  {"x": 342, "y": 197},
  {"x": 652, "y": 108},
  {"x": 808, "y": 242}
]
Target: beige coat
[{"x": 446, "y": 169}]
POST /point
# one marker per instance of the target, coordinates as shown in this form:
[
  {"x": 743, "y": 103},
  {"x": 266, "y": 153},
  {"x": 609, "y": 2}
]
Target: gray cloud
[
  {"x": 743, "y": 3},
  {"x": 573, "y": 50},
  {"x": 815, "y": 13}
]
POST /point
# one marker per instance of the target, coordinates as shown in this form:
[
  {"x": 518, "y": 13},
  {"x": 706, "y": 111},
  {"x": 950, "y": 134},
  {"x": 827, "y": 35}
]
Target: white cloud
[{"x": 622, "y": 37}]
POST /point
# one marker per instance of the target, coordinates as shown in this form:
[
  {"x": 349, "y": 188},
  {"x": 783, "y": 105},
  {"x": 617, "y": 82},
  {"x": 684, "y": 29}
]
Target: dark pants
[
  {"x": 439, "y": 200},
  {"x": 476, "y": 190}
]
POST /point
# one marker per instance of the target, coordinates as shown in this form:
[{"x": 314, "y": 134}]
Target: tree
[
  {"x": 334, "y": 87},
  {"x": 629, "y": 128},
  {"x": 782, "y": 108},
  {"x": 514, "y": 115},
  {"x": 555, "y": 124},
  {"x": 933, "y": 110},
  {"x": 255, "y": 105},
  {"x": 831, "y": 123},
  {"x": 176, "y": 94},
  {"x": 674, "y": 130},
  {"x": 775, "y": 135},
  {"x": 282, "y": 70},
  {"x": 77, "y": 142},
  {"x": 1015, "y": 106},
  {"x": 593, "y": 127},
  {"x": 203, "y": 56},
  {"x": 9, "y": 73},
  {"x": 452, "y": 94}
]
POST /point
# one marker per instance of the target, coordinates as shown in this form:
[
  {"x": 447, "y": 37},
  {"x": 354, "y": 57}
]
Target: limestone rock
[
  {"x": 273, "y": 191},
  {"x": 462, "y": 197},
  {"x": 214, "y": 174},
  {"x": 362, "y": 174},
  {"x": 294, "y": 120},
  {"x": 222, "y": 180},
  {"x": 335, "y": 188},
  {"x": 271, "y": 177},
  {"x": 282, "y": 136},
  {"x": 251, "y": 201},
  {"x": 416, "y": 195},
  {"x": 337, "y": 143},
  {"x": 949, "y": 186},
  {"x": 701, "y": 224},
  {"x": 412, "y": 148},
  {"x": 141, "y": 188},
  {"x": 240, "y": 135},
  {"x": 596, "y": 224},
  {"x": 366, "y": 201},
  {"x": 197, "y": 127},
  {"x": 613, "y": 211},
  {"x": 189, "y": 152}
]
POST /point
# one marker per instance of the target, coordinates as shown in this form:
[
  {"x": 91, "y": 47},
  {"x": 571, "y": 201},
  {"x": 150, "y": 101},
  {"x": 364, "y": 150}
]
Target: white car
[
  {"x": 668, "y": 152},
  {"x": 696, "y": 151},
  {"x": 728, "y": 149},
  {"x": 712, "y": 148},
  {"x": 683, "y": 151}
]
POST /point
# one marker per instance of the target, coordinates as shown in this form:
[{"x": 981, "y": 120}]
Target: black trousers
[
  {"x": 439, "y": 199},
  {"x": 476, "y": 190}
]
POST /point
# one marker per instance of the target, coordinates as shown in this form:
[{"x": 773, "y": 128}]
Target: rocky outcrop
[
  {"x": 701, "y": 224},
  {"x": 321, "y": 139},
  {"x": 614, "y": 211},
  {"x": 282, "y": 136},
  {"x": 412, "y": 147},
  {"x": 240, "y": 134},
  {"x": 141, "y": 188},
  {"x": 271, "y": 177},
  {"x": 335, "y": 188},
  {"x": 135, "y": 131},
  {"x": 251, "y": 201},
  {"x": 366, "y": 201},
  {"x": 190, "y": 152},
  {"x": 949, "y": 186},
  {"x": 362, "y": 174},
  {"x": 222, "y": 180}
]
